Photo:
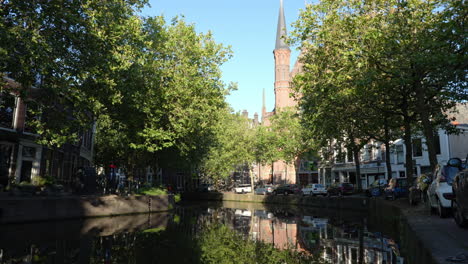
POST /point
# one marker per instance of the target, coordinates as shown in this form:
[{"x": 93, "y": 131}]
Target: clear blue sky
[{"x": 250, "y": 28}]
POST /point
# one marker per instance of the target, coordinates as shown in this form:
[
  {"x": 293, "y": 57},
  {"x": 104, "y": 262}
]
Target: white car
[
  {"x": 314, "y": 189},
  {"x": 242, "y": 212},
  {"x": 440, "y": 191},
  {"x": 243, "y": 188}
]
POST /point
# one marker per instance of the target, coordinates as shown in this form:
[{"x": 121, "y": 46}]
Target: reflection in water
[{"x": 198, "y": 235}]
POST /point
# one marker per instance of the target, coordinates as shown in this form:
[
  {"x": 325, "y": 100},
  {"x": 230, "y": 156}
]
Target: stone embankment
[{"x": 28, "y": 209}]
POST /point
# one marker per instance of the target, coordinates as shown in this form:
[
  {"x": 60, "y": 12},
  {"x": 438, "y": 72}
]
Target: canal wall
[
  {"x": 28, "y": 209},
  {"x": 390, "y": 217},
  {"x": 335, "y": 203},
  {"x": 394, "y": 219}
]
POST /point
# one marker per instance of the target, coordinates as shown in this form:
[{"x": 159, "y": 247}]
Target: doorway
[{"x": 26, "y": 168}]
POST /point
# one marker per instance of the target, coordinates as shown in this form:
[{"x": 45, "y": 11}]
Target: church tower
[{"x": 282, "y": 55}]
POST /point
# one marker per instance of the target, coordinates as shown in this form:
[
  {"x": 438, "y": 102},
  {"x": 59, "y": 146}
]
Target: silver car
[
  {"x": 314, "y": 189},
  {"x": 264, "y": 189}
]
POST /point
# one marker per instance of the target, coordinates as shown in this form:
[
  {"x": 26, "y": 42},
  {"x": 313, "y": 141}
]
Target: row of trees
[
  {"x": 153, "y": 89},
  {"x": 240, "y": 142},
  {"x": 381, "y": 70}
]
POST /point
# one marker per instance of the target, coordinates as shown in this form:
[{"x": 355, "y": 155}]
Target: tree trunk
[
  {"x": 286, "y": 172},
  {"x": 429, "y": 135},
  {"x": 259, "y": 171},
  {"x": 358, "y": 168},
  {"x": 424, "y": 113},
  {"x": 273, "y": 180},
  {"x": 387, "y": 149},
  {"x": 251, "y": 178},
  {"x": 388, "y": 163},
  {"x": 409, "y": 150}
]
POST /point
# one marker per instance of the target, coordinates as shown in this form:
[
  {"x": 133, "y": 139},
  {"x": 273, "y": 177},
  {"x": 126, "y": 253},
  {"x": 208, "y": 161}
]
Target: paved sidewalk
[{"x": 439, "y": 235}]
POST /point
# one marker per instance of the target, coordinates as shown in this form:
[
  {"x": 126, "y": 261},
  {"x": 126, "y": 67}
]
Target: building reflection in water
[
  {"x": 159, "y": 237},
  {"x": 336, "y": 242}
]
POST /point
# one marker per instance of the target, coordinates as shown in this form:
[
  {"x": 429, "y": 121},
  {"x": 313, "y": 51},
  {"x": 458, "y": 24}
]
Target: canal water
[{"x": 204, "y": 233}]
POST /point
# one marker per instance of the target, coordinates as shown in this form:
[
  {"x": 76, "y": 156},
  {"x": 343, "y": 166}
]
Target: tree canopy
[
  {"x": 366, "y": 62},
  {"x": 147, "y": 85}
]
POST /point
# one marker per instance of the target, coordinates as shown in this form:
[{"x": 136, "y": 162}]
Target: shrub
[
  {"x": 43, "y": 181},
  {"x": 153, "y": 191}
]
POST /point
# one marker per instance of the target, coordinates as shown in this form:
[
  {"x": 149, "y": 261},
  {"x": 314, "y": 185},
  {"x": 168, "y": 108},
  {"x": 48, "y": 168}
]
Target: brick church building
[{"x": 280, "y": 172}]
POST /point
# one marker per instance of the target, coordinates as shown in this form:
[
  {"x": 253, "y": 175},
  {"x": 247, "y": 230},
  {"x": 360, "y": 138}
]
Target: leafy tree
[
  {"x": 265, "y": 148},
  {"x": 233, "y": 146},
  {"x": 171, "y": 97},
  {"x": 428, "y": 60},
  {"x": 72, "y": 53},
  {"x": 329, "y": 81},
  {"x": 148, "y": 85},
  {"x": 385, "y": 56},
  {"x": 291, "y": 142}
]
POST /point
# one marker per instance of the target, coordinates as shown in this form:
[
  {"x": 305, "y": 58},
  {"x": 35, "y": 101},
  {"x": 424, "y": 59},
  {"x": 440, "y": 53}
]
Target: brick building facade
[{"x": 21, "y": 158}]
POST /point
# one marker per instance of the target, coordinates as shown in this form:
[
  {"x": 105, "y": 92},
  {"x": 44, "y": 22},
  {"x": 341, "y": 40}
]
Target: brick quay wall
[{"x": 29, "y": 209}]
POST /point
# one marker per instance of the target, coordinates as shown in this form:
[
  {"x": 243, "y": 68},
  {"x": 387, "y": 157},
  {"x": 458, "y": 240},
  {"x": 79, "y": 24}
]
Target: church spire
[{"x": 281, "y": 31}]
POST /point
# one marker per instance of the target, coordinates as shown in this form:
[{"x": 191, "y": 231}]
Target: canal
[{"x": 226, "y": 232}]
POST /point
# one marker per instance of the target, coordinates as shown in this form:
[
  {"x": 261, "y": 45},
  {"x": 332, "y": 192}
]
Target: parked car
[
  {"x": 264, "y": 189},
  {"x": 440, "y": 191},
  {"x": 314, "y": 189},
  {"x": 377, "y": 187},
  {"x": 460, "y": 197},
  {"x": 242, "y": 212},
  {"x": 287, "y": 189},
  {"x": 205, "y": 187},
  {"x": 243, "y": 188},
  {"x": 340, "y": 189},
  {"x": 396, "y": 188}
]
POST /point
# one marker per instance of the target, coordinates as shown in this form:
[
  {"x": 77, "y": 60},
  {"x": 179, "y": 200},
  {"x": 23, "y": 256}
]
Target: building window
[
  {"x": 7, "y": 107},
  {"x": 87, "y": 139},
  {"x": 417, "y": 147},
  {"x": 400, "y": 154},
  {"x": 340, "y": 156},
  {"x": 367, "y": 152},
  {"x": 29, "y": 152},
  {"x": 402, "y": 174},
  {"x": 305, "y": 165}
]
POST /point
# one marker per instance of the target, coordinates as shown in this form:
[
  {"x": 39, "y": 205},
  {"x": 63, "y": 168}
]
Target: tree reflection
[
  {"x": 221, "y": 235},
  {"x": 220, "y": 244}
]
